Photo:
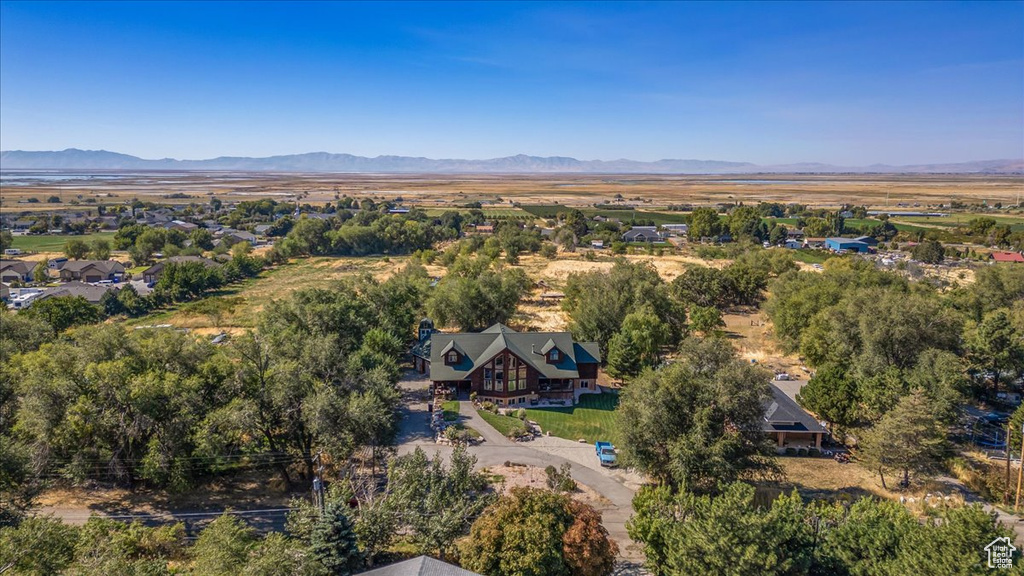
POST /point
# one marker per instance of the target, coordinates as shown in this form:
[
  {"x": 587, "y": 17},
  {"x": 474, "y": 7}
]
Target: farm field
[
  {"x": 54, "y": 243},
  {"x": 440, "y": 191},
  {"x": 592, "y": 419}
]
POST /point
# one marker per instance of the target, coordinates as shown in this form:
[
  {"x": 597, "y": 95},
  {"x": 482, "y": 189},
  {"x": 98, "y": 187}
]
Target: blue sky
[{"x": 845, "y": 83}]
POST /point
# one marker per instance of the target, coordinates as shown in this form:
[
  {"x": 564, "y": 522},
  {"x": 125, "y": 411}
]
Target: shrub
[
  {"x": 521, "y": 413},
  {"x": 472, "y": 396},
  {"x": 790, "y": 451},
  {"x": 801, "y": 452},
  {"x": 813, "y": 452},
  {"x": 560, "y": 480}
]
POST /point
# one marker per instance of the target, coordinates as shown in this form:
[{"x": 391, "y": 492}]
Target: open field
[
  {"x": 496, "y": 191},
  {"x": 54, "y": 243}
]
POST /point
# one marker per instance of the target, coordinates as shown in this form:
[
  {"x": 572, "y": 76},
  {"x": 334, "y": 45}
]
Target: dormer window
[
  {"x": 452, "y": 357},
  {"x": 553, "y": 355}
]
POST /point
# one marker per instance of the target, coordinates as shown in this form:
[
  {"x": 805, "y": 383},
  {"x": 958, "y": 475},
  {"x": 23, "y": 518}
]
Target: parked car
[{"x": 606, "y": 453}]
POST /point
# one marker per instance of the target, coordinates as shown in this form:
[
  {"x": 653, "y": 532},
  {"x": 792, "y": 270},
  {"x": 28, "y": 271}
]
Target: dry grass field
[{"x": 498, "y": 192}]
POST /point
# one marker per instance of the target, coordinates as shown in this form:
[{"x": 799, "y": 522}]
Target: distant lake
[{"x": 15, "y": 178}]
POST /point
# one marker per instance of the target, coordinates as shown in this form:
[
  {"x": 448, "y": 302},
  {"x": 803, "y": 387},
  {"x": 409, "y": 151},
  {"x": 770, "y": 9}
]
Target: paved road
[{"x": 496, "y": 450}]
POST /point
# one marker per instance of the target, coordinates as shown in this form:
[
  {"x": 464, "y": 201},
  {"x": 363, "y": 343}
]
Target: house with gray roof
[
  {"x": 789, "y": 424},
  {"x": 642, "y": 234},
  {"x": 508, "y": 367},
  {"x": 91, "y": 270},
  {"x": 420, "y": 566},
  {"x": 15, "y": 271},
  {"x": 91, "y": 292}
]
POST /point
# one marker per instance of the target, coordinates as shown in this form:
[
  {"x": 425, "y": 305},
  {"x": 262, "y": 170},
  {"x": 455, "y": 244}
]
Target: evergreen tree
[
  {"x": 333, "y": 541},
  {"x": 908, "y": 439},
  {"x": 623, "y": 356}
]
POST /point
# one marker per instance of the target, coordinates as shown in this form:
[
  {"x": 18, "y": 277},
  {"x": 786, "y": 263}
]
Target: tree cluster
[{"x": 733, "y": 534}]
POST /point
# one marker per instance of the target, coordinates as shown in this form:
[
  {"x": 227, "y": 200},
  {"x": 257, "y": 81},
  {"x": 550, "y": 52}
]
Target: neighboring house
[
  {"x": 794, "y": 244},
  {"x": 55, "y": 264},
  {"x": 419, "y": 566},
  {"x": 90, "y": 292},
  {"x": 789, "y": 424},
  {"x": 676, "y": 229},
  {"x": 484, "y": 229},
  {"x": 511, "y": 368},
  {"x": 599, "y": 244},
  {"x": 846, "y": 244},
  {"x": 92, "y": 271},
  {"x": 1007, "y": 257},
  {"x": 262, "y": 229},
  {"x": 795, "y": 234},
  {"x": 152, "y": 274},
  {"x": 22, "y": 225},
  {"x": 642, "y": 234},
  {"x": 186, "y": 227},
  {"x": 814, "y": 242},
  {"x": 232, "y": 237},
  {"x": 15, "y": 271},
  {"x": 398, "y": 210}
]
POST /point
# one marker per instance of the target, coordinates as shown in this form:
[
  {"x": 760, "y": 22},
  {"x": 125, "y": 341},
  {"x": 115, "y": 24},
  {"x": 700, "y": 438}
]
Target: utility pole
[
  {"x": 1020, "y": 472},
  {"x": 1006, "y": 487},
  {"x": 318, "y": 483}
]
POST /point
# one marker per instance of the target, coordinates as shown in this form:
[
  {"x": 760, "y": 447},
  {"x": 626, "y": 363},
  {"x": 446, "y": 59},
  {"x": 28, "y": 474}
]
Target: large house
[
  {"x": 508, "y": 367},
  {"x": 92, "y": 270}
]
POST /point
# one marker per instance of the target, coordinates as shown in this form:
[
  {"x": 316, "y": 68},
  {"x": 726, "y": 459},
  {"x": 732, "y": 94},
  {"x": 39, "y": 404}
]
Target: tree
[
  {"x": 648, "y": 333},
  {"x": 745, "y": 222},
  {"x": 994, "y": 346},
  {"x": 202, "y": 239},
  {"x": 929, "y": 252},
  {"x": 683, "y": 533},
  {"x": 908, "y": 439},
  {"x": 832, "y": 395},
  {"x": 704, "y": 223},
  {"x": 623, "y": 356},
  {"x": 698, "y": 422},
  {"x": 63, "y": 312},
  {"x": 223, "y": 547},
  {"x": 535, "y": 532},
  {"x": 38, "y": 545},
  {"x": 954, "y": 539},
  {"x": 598, "y": 302},
  {"x": 40, "y": 274},
  {"x": 76, "y": 249},
  {"x": 333, "y": 541},
  {"x": 100, "y": 249},
  {"x": 6, "y": 239},
  {"x": 706, "y": 319},
  {"x": 866, "y": 538},
  {"x": 700, "y": 286},
  {"x": 477, "y": 299},
  {"x": 437, "y": 504}
]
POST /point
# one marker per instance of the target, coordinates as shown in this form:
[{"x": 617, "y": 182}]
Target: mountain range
[{"x": 75, "y": 159}]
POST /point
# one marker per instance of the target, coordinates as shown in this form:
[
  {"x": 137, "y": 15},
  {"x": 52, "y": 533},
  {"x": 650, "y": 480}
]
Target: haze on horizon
[{"x": 768, "y": 83}]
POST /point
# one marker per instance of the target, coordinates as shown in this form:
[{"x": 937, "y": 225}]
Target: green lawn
[
  {"x": 451, "y": 410},
  {"x": 503, "y": 424},
  {"x": 54, "y": 243},
  {"x": 593, "y": 419},
  {"x": 809, "y": 256}
]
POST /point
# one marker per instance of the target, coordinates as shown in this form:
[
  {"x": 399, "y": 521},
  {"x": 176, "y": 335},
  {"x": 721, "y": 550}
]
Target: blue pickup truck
[{"x": 606, "y": 453}]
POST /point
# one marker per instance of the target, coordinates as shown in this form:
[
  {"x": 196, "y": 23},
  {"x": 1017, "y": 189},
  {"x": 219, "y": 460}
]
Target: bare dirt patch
[{"x": 531, "y": 476}]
